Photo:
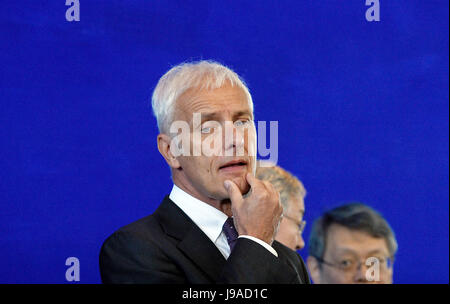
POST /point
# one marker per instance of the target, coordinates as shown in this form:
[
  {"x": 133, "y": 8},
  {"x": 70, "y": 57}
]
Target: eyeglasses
[
  {"x": 301, "y": 225},
  {"x": 351, "y": 265}
]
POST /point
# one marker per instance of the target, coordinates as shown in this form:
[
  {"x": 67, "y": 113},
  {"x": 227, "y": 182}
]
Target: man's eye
[
  {"x": 346, "y": 263},
  {"x": 241, "y": 122},
  {"x": 206, "y": 130},
  {"x": 381, "y": 260}
]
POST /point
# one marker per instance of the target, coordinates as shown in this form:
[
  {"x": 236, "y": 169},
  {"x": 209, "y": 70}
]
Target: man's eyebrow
[
  {"x": 205, "y": 116},
  {"x": 346, "y": 251},
  {"x": 375, "y": 251},
  {"x": 243, "y": 113},
  {"x": 208, "y": 116}
]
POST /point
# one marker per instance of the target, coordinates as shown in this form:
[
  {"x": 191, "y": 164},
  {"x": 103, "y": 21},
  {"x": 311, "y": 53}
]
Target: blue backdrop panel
[{"x": 362, "y": 110}]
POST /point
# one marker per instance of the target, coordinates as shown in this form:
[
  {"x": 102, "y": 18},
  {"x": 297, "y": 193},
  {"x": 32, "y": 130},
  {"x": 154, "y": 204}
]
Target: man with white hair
[
  {"x": 219, "y": 222},
  {"x": 292, "y": 198}
]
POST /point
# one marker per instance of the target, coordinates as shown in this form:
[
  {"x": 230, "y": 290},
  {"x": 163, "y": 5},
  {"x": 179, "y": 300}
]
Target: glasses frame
[
  {"x": 301, "y": 226},
  {"x": 389, "y": 264}
]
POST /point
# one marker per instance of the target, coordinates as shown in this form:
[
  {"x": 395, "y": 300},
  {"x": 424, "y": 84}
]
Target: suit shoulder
[
  {"x": 148, "y": 222},
  {"x": 144, "y": 228},
  {"x": 284, "y": 250}
]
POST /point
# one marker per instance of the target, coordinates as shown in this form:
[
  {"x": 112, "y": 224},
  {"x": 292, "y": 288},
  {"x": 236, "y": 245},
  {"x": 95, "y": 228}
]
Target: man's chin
[{"x": 242, "y": 184}]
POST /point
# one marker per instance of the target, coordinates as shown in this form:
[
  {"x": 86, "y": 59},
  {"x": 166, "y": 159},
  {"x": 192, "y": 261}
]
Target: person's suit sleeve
[
  {"x": 250, "y": 263},
  {"x": 125, "y": 258},
  {"x": 262, "y": 243}
]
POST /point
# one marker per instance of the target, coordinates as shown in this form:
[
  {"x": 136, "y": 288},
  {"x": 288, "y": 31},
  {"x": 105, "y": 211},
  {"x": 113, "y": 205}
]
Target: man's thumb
[{"x": 233, "y": 191}]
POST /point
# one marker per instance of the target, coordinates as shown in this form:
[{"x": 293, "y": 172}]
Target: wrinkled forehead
[
  {"x": 342, "y": 240},
  {"x": 296, "y": 203},
  {"x": 226, "y": 99}
]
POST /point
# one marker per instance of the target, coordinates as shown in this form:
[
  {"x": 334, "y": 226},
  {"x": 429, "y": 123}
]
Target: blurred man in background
[
  {"x": 351, "y": 244},
  {"x": 292, "y": 195}
]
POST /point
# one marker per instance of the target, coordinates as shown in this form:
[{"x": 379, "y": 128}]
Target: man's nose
[
  {"x": 300, "y": 243},
  {"x": 360, "y": 274},
  {"x": 232, "y": 138}
]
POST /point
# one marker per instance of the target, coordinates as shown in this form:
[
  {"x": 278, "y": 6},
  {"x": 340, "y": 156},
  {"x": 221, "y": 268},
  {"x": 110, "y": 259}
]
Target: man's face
[
  {"x": 289, "y": 233},
  {"x": 346, "y": 247},
  {"x": 226, "y": 131}
]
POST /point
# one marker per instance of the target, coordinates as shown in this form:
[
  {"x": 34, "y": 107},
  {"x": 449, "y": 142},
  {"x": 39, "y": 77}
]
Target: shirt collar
[{"x": 209, "y": 219}]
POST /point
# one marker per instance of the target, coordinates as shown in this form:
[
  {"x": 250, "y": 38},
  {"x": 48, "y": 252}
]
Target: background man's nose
[
  {"x": 300, "y": 243},
  {"x": 360, "y": 274}
]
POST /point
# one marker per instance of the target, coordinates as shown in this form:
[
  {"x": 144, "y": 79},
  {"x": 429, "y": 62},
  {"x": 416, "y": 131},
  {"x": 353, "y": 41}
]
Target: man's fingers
[
  {"x": 233, "y": 191},
  {"x": 269, "y": 186},
  {"x": 252, "y": 181}
]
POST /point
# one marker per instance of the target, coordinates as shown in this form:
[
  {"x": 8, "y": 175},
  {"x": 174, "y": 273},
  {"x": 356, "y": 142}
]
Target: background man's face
[
  {"x": 227, "y": 106},
  {"x": 289, "y": 233},
  {"x": 344, "y": 245}
]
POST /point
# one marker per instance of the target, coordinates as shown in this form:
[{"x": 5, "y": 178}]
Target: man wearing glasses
[
  {"x": 351, "y": 244},
  {"x": 292, "y": 195}
]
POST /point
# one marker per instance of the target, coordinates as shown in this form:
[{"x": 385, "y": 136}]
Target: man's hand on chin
[
  {"x": 242, "y": 184},
  {"x": 258, "y": 213}
]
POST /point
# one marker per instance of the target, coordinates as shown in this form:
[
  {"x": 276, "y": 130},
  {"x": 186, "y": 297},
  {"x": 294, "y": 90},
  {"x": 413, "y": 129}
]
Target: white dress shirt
[{"x": 209, "y": 219}]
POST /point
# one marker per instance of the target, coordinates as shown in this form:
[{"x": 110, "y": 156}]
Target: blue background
[{"x": 362, "y": 108}]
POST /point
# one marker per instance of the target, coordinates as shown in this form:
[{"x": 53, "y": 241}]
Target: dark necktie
[{"x": 230, "y": 232}]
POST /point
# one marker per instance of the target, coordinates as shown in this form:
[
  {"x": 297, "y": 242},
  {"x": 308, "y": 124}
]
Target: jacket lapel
[{"x": 193, "y": 242}]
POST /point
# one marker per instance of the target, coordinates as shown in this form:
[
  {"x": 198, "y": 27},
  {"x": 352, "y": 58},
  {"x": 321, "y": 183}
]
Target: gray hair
[
  {"x": 205, "y": 74},
  {"x": 283, "y": 181},
  {"x": 354, "y": 216}
]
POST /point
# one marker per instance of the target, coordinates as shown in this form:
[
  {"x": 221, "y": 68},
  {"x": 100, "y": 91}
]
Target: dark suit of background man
[{"x": 211, "y": 228}]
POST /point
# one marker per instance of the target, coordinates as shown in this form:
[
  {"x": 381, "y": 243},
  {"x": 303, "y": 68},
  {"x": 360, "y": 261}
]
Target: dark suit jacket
[{"x": 168, "y": 247}]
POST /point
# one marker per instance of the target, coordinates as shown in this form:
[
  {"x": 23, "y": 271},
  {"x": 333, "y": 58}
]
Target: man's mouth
[{"x": 235, "y": 165}]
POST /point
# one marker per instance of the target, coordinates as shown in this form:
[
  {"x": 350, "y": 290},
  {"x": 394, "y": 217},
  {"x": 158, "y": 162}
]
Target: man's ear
[
  {"x": 164, "y": 142},
  {"x": 314, "y": 269}
]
